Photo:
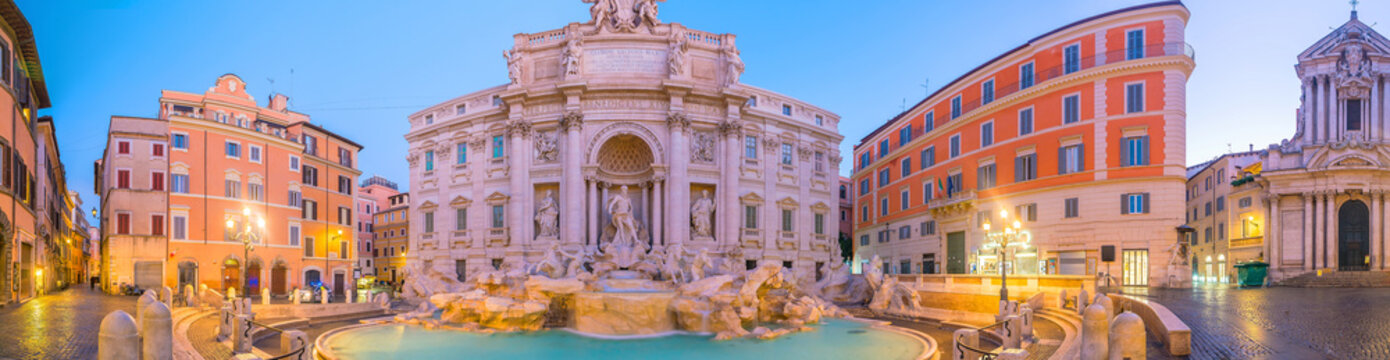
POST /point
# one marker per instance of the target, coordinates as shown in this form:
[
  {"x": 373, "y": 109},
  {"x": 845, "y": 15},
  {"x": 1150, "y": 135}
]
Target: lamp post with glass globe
[
  {"x": 249, "y": 237},
  {"x": 1011, "y": 237}
]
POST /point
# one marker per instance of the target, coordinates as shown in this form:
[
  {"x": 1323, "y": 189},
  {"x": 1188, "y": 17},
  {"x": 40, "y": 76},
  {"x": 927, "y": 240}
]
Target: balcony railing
[{"x": 1002, "y": 92}]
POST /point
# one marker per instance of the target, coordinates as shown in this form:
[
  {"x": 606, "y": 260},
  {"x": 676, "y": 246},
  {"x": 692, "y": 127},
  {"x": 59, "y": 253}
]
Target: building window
[
  {"x": 253, "y": 153},
  {"x": 786, "y": 110},
  {"x": 928, "y": 157},
  {"x": 820, "y": 161},
  {"x": 750, "y": 217},
  {"x": 864, "y": 186},
  {"x": 987, "y": 134},
  {"x": 429, "y": 119},
  {"x": 984, "y": 176},
  {"x": 1245, "y": 202},
  {"x": 904, "y": 232},
  {"x": 954, "y": 184},
  {"x": 820, "y": 120},
  {"x": 232, "y": 189},
  {"x": 294, "y": 198},
  {"x": 955, "y": 107},
  {"x": 883, "y": 206},
  {"x": 1025, "y": 76},
  {"x": 429, "y": 221},
  {"x": 786, "y": 220},
  {"x": 311, "y": 175},
  {"x": 1071, "y": 59},
  {"x": 1026, "y": 167},
  {"x": 460, "y": 109},
  {"x": 1025, "y": 122},
  {"x": 929, "y": 122},
  {"x": 498, "y": 147},
  {"x": 233, "y": 150},
  {"x": 1071, "y": 109},
  {"x": 344, "y": 216},
  {"x": 1135, "y": 203},
  {"x": 123, "y": 147},
  {"x": 1073, "y": 209},
  {"x": 1134, "y": 150},
  {"x": 820, "y": 224},
  {"x": 1134, "y": 44},
  {"x": 864, "y": 240},
  {"x": 904, "y": 135},
  {"x": 928, "y": 227},
  {"x": 255, "y": 192},
  {"x": 1220, "y": 203},
  {"x": 157, "y": 149},
  {"x": 1134, "y": 98},
  {"x": 461, "y": 219},
  {"x": 906, "y": 166},
  {"x": 883, "y": 177},
  {"x": 955, "y": 145},
  {"x": 904, "y": 199},
  {"x": 308, "y": 246},
  {"x": 462, "y": 153},
  {"x": 752, "y": 101},
  {"x": 180, "y": 227},
  {"x": 1353, "y": 114},
  {"x": 429, "y": 160},
  {"x": 1070, "y": 159},
  {"x": 497, "y": 216},
  {"x": 1221, "y": 231},
  {"x": 181, "y": 141},
  {"x": 344, "y": 185},
  {"x": 157, "y": 225},
  {"x": 310, "y": 209},
  {"x": 987, "y": 92},
  {"x": 864, "y": 214},
  {"x": 750, "y": 147},
  {"x": 344, "y": 157},
  {"x": 123, "y": 223},
  {"x": 1208, "y": 233},
  {"x": 294, "y": 235},
  {"x": 883, "y": 148},
  {"x": 1028, "y": 212},
  {"x": 294, "y": 163},
  {"x": 786, "y": 154}
]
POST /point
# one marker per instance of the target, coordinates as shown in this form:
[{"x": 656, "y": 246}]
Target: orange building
[
  {"x": 21, "y": 76},
  {"x": 392, "y": 238},
  {"x": 1078, "y": 133},
  {"x": 179, "y": 192}
]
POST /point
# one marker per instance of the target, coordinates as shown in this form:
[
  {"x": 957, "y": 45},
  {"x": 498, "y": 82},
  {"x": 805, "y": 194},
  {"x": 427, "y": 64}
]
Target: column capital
[
  {"x": 519, "y": 128},
  {"x": 677, "y": 120},
  {"x": 572, "y": 120}
]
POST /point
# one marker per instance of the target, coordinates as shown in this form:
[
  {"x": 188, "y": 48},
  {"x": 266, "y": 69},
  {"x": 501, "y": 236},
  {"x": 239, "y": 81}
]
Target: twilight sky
[{"x": 358, "y": 68}]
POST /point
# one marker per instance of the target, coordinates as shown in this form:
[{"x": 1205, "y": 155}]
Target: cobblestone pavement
[
  {"x": 203, "y": 335},
  {"x": 62, "y": 325},
  {"x": 1282, "y": 323}
]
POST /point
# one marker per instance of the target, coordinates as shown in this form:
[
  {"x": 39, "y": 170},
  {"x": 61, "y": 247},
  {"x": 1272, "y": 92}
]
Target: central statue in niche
[{"x": 626, "y": 248}]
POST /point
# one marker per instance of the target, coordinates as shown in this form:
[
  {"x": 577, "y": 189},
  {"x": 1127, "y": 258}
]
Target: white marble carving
[
  {"x": 547, "y": 216},
  {"x": 700, "y": 214}
]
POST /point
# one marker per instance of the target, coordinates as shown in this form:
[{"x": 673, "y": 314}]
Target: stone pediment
[
  {"x": 751, "y": 198},
  {"x": 497, "y": 198},
  {"x": 428, "y": 205},
  {"x": 787, "y": 202},
  {"x": 460, "y": 201},
  {"x": 820, "y": 207},
  {"x": 1353, "y": 31},
  {"x": 1354, "y": 160}
]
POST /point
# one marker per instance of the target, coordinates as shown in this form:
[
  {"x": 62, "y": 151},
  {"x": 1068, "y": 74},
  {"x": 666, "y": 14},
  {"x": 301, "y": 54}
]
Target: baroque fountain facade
[{"x": 625, "y": 183}]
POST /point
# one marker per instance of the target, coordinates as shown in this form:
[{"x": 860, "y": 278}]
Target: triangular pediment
[
  {"x": 1353, "y": 31},
  {"x": 460, "y": 201},
  {"x": 428, "y": 205},
  {"x": 787, "y": 202},
  {"x": 820, "y": 207},
  {"x": 497, "y": 198},
  {"x": 751, "y": 198}
]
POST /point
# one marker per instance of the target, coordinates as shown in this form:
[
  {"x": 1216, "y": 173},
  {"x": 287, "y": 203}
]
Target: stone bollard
[
  {"x": 1109, "y": 305},
  {"x": 295, "y": 296},
  {"x": 1025, "y": 315},
  {"x": 296, "y": 344},
  {"x": 140, "y": 304},
  {"x": 224, "y": 328},
  {"x": 1127, "y": 337},
  {"x": 118, "y": 338},
  {"x": 1013, "y": 354},
  {"x": 157, "y": 333},
  {"x": 241, "y": 337},
  {"x": 1095, "y": 337},
  {"x": 168, "y": 297},
  {"x": 1082, "y": 301},
  {"x": 323, "y": 296},
  {"x": 1013, "y": 332},
  {"x": 265, "y": 296},
  {"x": 967, "y": 337}
]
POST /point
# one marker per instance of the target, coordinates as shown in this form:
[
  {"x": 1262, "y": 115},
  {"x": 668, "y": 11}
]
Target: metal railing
[
  {"x": 984, "y": 354},
  {"x": 293, "y": 353}
]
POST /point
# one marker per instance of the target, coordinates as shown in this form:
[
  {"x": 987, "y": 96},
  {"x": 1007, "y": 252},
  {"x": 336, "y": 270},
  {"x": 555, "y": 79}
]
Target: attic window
[{"x": 1353, "y": 114}]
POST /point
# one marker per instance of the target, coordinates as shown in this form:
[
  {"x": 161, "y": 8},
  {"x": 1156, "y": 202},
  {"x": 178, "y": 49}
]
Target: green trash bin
[{"x": 1252, "y": 273}]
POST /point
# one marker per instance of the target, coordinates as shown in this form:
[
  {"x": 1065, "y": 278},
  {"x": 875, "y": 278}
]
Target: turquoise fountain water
[{"x": 832, "y": 339}]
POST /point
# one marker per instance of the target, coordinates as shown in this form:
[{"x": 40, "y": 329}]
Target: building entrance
[{"x": 1353, "y": 237}]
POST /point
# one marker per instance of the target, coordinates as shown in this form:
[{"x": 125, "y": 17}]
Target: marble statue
[
  {"x": 573, "y": 52},
  {"x": 551, "y": 266},
  {"x": 700, "y": 214},
  {"x": 623, "y": 248},
  {"x": 513, "y": 65},
  {"x": 702, "y": 148},
  {"x": 646, "y": 11},
  {"x": 675, "y": 56},
  {"x": 547, "y": 216},
  {"x": 1354, "y": 62},
  {"x": 548, "y": 146},
  {"x": 602, "y": 11},
  {"x": 697, "y": 266},
  {"x": 576, "y": 261},
  {"x": 734, "y": 64},
  {"x": 671, "y": 265}
]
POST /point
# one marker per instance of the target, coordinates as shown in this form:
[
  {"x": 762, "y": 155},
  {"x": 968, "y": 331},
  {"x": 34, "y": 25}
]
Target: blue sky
[{"x": 359, "y": 67}]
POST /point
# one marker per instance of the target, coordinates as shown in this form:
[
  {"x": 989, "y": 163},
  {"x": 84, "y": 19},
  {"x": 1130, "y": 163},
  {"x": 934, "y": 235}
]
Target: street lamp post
[
  {"x": 249, "y": 237},
  {"x": 1001, "y": 241},
  {"x": 326, "y": 267}
]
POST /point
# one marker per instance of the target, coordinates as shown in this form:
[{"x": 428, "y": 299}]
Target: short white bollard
[
  {"x": 294, "y": 295},
  {"x": 296, "y": 344},
  {"x": 1082, "y": 301},
  {"x": 967, "y": 337},
  {"x": 140, "y": 304},
  {"x": 168, "y": 297},
  {"x": 1109, "y": 305},
  {"x": 231, "y": 293},
  {"x": 190, "y": 296},
  {"x": 157, "y": 333},
  {"x": 1013, "y": 332},
  {"x": 118, "y": 338},
  {"x": 323, "y": 299},
  {"x": 1095, "y": 337},
  {"x": 241, "y": 340},
  {"x": 1127, "y": 338},
  {"x": 265, "y": 296}
]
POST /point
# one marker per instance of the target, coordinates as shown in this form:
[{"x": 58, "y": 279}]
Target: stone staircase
[
  {"x": 1070, "y": 322},
  {"x": 1339, "y": 279}
]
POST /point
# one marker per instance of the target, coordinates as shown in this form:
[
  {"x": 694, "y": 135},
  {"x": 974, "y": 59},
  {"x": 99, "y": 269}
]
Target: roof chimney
[{"x": 279, "y": 102}]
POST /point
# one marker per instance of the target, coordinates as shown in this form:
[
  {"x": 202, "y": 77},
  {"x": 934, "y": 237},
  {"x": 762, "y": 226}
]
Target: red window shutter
[
  {"x": 123, "y": 147},
  {"x": 158, "y": 150},
  {"x": 157, "y": 225},
  {"x": 157, "y": 181},
  {"x": 123, "y": 223},
  {"x": 123, "y": 179}
]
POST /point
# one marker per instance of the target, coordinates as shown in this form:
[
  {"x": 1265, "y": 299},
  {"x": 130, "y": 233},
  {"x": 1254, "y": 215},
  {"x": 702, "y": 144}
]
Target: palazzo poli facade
[
  {"x": 621, "y": 129},
  {"x": 1326, "y": 184}
]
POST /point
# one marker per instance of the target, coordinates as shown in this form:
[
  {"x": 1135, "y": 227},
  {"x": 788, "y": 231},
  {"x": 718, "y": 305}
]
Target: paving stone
[{"x": 61, "y": 325}]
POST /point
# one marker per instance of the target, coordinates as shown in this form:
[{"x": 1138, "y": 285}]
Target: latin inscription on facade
[{"x": 625, "y": 60}]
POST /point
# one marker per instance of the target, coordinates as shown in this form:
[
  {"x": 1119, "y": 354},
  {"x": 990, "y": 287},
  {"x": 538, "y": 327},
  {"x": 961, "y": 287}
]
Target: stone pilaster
[
  {"x": 728, "y": 224},
  {"x": 678, "y": 193},
  {"x": 572, "y": 188}
]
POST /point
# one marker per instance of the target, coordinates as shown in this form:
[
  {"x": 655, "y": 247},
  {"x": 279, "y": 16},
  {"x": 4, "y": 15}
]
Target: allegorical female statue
[
  {"x": 700, "y": 215},
  {"x": 547, "y": 215}
]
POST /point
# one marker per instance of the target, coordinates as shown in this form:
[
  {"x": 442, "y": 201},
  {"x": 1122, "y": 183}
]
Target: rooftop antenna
[
  {"x": 272, "y": 84},
  {"x": 903, "y": 107},
  {"x": 1228, "y": 148},
  {"x": 925, "y": 89},
  {"x": 291, "y": 86}
]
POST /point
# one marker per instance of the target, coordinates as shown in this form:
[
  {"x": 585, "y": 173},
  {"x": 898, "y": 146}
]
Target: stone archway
[{"x": 1353, "y": 236}]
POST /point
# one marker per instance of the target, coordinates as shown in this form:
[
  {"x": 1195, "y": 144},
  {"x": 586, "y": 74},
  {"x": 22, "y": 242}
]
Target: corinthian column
[
  {"x": 1308, "y": 231},
  {"x": 572, "y": 188},
  {"x": 519, "y": 219},
  {"x": 1375, "y": 229},
  {"x": 678, "y": 193},
  {"x": 1329, "y": 228},
  {"x": 727, "y": 225}
]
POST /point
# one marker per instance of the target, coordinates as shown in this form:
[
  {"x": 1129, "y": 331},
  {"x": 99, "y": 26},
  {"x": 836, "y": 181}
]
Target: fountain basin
[
  {"x": 832, "y": 339},
  {"x": 622, "y": 314}
]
